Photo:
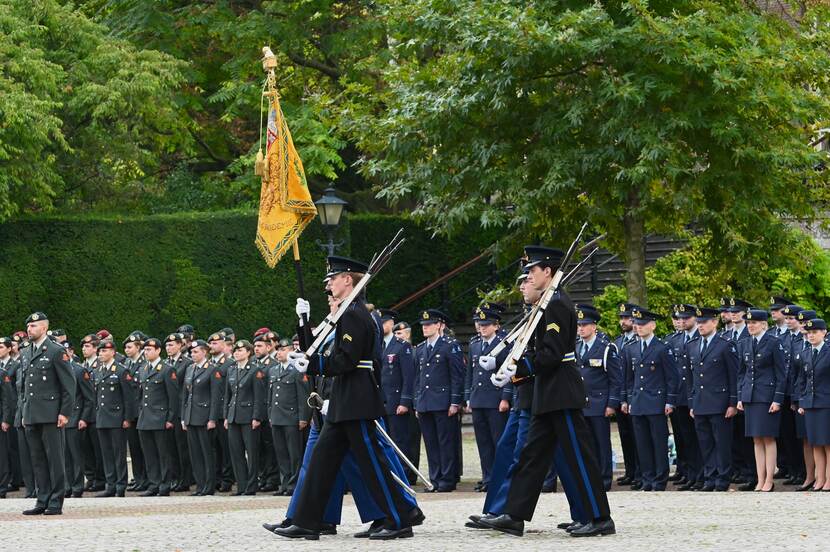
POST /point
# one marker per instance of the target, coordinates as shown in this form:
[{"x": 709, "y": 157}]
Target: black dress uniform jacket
[
  {"x": 558, "y": 384},
  {"x": 355, "y": 393},
  {"x": 48, "y": 384},
  {"x": 202, "y": 394},
  {"x": 159, "y": 401}
]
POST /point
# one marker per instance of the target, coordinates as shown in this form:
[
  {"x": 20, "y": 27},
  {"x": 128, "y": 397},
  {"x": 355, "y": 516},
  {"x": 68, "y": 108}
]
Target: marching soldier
[
  {"x": 557, "y": 421},
  {"x": 201, "y": 404},
  {"x": 439, "y": 392},
  {"x": 397, "y": 383},
  {"x": 712, "y": 362},
  {"x": 599, "y": 365},
  {"x": 158, "y": 409},
  {"x": 651, "y": 384},
  {"x": 115, "y": 407},
  {"x": 689, "y": 471},
  {"x": 182, "y": 472},
  {"x": 288, "y": 414},
  {"x": 83, "y": 411},
  {"x": 355, "y": 402},
  {"x": 224, "y": 468},
  {"x": 489, "y": 405},
  {"x": 624, "y": 426},
  {"x": 48, "y": 394},
  {"x": 245, "y": 393}
]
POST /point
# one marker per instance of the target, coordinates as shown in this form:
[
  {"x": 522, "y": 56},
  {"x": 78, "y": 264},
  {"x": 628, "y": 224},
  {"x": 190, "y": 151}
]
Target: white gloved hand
[
  {"x": 325, "y": 408},
  {"x": 508, "y": 371},
  {"x": 487, "y": 362},
  {"x": 498, "y": 379},
  {"x": 299, "y": 360},
  {"x": 303, "y": 308}
]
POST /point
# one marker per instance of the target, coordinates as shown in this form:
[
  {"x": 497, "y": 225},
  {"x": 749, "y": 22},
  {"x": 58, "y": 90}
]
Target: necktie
[
  {"x": 584, "y": 350},
  {"x": 643, "y": 349},
  {"x": 429, "y": 351},
  {"x": 754, "y": 345},
  {"x": 815, "y": 356},
  {"x": 704, "y": 343}
]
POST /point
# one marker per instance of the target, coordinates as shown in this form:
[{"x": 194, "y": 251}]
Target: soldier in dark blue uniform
[
  {"x": 743, "y": 460},
  {"x": 489, "y": 405},
  {"x": 439, "y": 390},
  {"x": 624, "y": 427},
  {"x": 790, "y": 459},
  {"x": 761, "y": 387},
  {"x": 814, "y": 400},
  {"x": 397, "y": 383},
  {"x": 599, "y": 364},
  {"x": 689, "y": 461},
  {"x": 794, "y": 343},
  {"x": 651, "y": 385},
  {"x": 712, "y": 362}
]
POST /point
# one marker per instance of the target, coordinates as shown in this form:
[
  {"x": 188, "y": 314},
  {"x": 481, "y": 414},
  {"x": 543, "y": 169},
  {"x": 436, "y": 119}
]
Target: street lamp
[{"x": 330, "y": 208}]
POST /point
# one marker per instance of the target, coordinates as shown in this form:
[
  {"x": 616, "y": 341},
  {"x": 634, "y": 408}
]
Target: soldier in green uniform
[
  {"x": 7, "y": 405},
  {"x": 201, "y": 404},
  {"x": 269, "y": 472},
  {"x": 90, "y": 443},
  {"x": 224, "y": 468},
  {"x": 115, "y": 407},
  {"x": 288, "y": 414},
  {"x": 48, "y": 393},
  {"x": 15, "y": 370},
  {"x": 244, "y": 412},
  {"x": 83, "y": 412},
  {"x": 158, "y": 408},
  {"x": 182, "y": 472},
  {"x": 133, "y": 360}
]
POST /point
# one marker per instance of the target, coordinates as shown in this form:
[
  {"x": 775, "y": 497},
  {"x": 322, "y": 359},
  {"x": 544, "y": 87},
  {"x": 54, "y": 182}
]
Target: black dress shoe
[
  {"x": 595, "y": 528},
  {"x": 473, "y": 522},
  {"x": 637, "y": 485},
  {"x": 781, "y": 474},
  {"x": 267, "y": 488},
  {"x": 681, "y": 481},
  {"x": 504, "y": 523},
  {"x": 295, "y": 532},
  {"x": 164, "y": 493},
  {"x": 624, "y": 480},
  {"x": 88, "y": 486},
  {"x": 67, "y": 494},
  {"x": 389, "y": 534},
  {"x": 120, "y": 494},
  {"x": 270, "y": 527},
  {"x": 708, "y": 488},
  {"x": 791, "y": 481},
  {"x": 698, "y": 486},
  {"x": 328, "y": 529},
  {"x": 564, "y": 525},
  {"x": 105, "y": 494},
  {"x": 806, "y": 487},
  {"x": 225, "y": 487},
  {"x": 53, "y": 512},
  {"x": 750, "y": 486},
  {"x": 433, "y": 490},
  {"x": 722, "y": 489},
  {"x": 181, "y": 488},
  {"x": 36, "y": 511},
  {"x": 675, "y": 476},
  {"x": 31, "y": 495},
  {"x": 196, "y": 493},
  {"x": 416, "y": 517},
  {"x": 149, "y": 492},
  {"x": 549, "y": 488},
  {"x": 686, "y": 487},
  {"x": 446, "y": 489},
  {"x": 77, "y": 494},
  {"x": 375, "y": 527},
  {"x": 573, "y": 526},
  {"x": 482, "y": 489}
]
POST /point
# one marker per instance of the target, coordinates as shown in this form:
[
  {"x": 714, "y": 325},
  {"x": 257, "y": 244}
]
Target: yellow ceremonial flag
[{"x": 285, "y": 206}]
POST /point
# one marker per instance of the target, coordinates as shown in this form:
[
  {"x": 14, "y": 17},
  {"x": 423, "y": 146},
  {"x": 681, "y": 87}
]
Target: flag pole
[{"x": 298, "y": 270}]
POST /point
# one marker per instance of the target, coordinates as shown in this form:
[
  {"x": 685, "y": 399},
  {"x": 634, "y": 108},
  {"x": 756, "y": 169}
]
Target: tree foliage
[
  {"x": 82, "y": 114},
  {"x": 636, "y": 116}
]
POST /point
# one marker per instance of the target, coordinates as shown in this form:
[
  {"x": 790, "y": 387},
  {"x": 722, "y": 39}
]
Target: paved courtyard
[{"x": 645, "y": 522}]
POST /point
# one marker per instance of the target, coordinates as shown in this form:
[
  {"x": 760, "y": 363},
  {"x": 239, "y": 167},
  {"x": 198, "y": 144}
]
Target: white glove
[
  {"x": 303, "y": 308},
  {"x": 299, "y": 360},
  {"x": 509, "y": 371},
  {"x": 487, "y": 362},
  {"x": 498, "y": 379},
  {"x": 325, "y": 408}
]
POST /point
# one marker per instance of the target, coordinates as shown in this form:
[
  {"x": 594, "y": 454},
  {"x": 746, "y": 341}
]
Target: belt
[
  {"x": 368, "y": 364},
  {"x": 569, "y": 357}
]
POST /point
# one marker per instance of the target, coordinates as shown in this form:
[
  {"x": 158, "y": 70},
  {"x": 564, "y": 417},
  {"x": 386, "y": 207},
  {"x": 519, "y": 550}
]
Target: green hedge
[{"x": 157, "y": 272}]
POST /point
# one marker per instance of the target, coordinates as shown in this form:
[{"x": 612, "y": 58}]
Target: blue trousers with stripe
[
  {"x": 348, "y": 477},
  {"x": 509, "y": 448},
  {"x": 312, "y": 500},
  {"x": 567, "y": 431}
]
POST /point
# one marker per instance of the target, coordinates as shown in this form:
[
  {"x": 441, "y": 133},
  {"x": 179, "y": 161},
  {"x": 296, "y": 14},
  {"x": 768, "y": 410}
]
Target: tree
[
  {"x": 81, "y": 114},
  {"x": 638, "y": 117}
]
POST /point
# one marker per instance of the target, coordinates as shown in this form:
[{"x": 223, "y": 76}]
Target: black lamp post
[{"x": 330, "y": 208}]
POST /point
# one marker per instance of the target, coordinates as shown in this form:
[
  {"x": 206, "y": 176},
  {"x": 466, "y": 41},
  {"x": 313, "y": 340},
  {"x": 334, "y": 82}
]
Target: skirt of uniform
[
  {"x": 758, "y": 422},
  {"x": 817, "y": 421},
  {"x": 800, "y": 426}
]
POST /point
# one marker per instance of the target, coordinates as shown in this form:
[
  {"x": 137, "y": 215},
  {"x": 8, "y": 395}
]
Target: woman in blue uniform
[
  {"x": 762, "y": 380},
  {"x": 814, "y": 402}
]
